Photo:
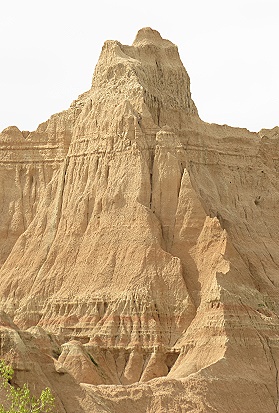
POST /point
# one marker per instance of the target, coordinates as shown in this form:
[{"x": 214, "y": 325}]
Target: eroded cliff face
[
  {"x": 139, "y": 247},
  {"x": 28, "y": 161}
]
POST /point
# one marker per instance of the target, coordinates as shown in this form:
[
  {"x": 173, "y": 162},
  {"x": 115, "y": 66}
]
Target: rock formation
[{"x": 139, "y": 248}]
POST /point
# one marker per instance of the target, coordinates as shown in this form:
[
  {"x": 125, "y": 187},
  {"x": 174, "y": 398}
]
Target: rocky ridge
[{"x": 139, "y": 247}]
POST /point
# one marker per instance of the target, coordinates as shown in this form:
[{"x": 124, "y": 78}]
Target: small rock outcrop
[{"x": 139, "y": 247}]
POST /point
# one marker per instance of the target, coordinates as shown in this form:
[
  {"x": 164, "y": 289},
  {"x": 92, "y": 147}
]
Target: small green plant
[{"x": 20, "y": 400}]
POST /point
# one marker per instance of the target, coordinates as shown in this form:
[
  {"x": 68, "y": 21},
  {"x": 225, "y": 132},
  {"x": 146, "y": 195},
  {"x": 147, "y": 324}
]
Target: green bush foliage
[{"x": 20, "y": 400}]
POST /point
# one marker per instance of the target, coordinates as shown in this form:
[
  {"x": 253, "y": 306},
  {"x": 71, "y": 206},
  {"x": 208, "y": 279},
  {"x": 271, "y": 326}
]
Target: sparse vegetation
[{"x": 20, "y": 400}]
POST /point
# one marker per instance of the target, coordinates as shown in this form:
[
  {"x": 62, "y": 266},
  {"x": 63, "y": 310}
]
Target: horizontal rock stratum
[{"x": 139, "y": 248}]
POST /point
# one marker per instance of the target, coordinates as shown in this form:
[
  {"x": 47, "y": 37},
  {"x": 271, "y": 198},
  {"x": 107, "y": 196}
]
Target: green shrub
[{"x": 20, "y": 400}]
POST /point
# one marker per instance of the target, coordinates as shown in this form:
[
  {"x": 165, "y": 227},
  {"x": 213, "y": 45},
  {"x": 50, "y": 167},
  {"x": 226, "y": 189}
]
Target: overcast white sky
[{"x": 48, "y": 51}]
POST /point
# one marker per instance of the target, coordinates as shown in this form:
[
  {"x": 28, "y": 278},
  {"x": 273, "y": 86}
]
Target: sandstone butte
[{"x": 139, "y": 248}]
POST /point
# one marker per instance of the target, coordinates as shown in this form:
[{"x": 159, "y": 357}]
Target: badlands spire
[{"x": 143, "y": 241}]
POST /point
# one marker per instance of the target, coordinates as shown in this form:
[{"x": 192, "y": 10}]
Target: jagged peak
[
  {"x": 147, "y": 35},
  {"x": 11, "y": 133},
  {"x": 148, "y": 72}
]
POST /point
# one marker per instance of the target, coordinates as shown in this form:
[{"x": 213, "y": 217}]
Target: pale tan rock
[
  {"x": 142, "y": 238},
  {"x": 134, "y": 367},
  {"x": 28, "y": 161},
  {"x": 156, "y": 365},
  {"x": 79, "y": 363}
]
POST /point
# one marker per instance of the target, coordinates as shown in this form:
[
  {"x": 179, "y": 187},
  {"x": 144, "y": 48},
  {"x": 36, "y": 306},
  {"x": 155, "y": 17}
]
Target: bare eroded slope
[{"x": 140, "y": 247}]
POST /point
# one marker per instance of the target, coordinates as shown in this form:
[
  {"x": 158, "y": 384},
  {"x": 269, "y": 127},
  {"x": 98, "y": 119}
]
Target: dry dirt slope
[{"x": 140, "y": 248}]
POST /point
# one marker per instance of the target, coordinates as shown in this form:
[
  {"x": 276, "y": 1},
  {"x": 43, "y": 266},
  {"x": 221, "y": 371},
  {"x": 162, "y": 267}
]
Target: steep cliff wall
[
  {"x": 145, "y": 245},
  {"x": 28, "y": 161}
]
